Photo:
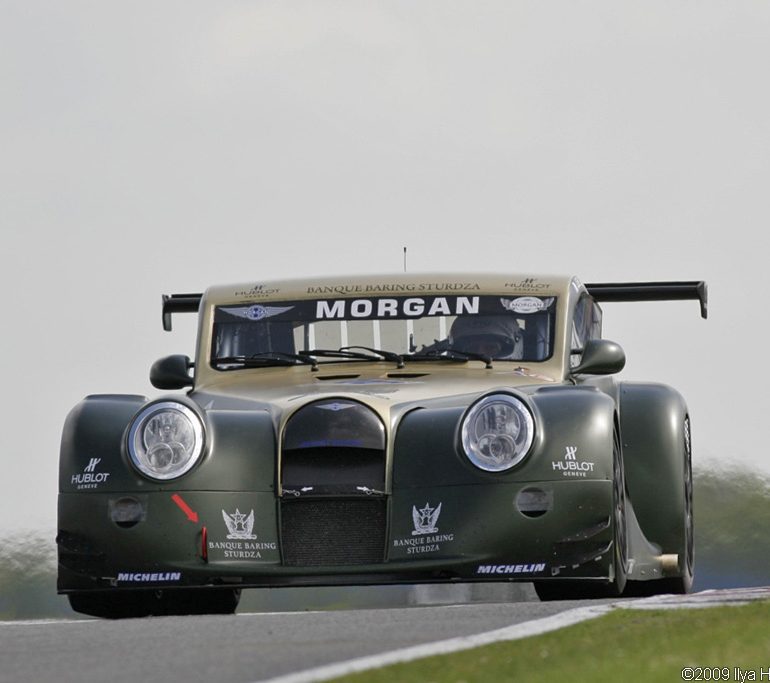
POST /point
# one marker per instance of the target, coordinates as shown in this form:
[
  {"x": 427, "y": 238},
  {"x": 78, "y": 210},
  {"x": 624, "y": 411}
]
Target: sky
[{"x": 159, "y": 147}]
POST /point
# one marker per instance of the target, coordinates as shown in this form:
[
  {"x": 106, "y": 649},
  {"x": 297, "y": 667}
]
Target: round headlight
[
  {"x": 165, "y": 440},
  {"x": 497, "y": 432}
]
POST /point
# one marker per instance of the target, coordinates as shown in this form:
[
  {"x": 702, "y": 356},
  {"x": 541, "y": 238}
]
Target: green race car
[{"x": 401, "y": 429}]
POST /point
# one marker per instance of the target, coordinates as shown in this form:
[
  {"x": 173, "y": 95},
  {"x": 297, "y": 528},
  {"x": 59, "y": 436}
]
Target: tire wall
[{"x": 652, "y": 432}]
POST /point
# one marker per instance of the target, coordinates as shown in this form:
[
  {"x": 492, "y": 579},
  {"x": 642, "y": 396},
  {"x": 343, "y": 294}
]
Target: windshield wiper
[
  {"x": 345, "y": 352},
  {"x": 385, "y": 355},
  {"x": 451, "y": 354},
  {"x": 268, "y": 358}
]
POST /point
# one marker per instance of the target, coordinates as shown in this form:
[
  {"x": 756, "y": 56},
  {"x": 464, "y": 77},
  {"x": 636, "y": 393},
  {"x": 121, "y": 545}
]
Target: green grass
[{"x": 625, "y": 645}]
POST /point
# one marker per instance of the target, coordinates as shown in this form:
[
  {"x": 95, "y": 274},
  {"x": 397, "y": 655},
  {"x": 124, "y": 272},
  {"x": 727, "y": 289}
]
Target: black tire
[
  {"x": 563, "y": 590},
  {"x": 206, "y": 601},
  {"x": 122, "y": 605},
  {"x": 130, "y": 604},
  {"x": 683, "y": 583},
  {"x": 580, "y": 590},
  {"x": 620, "y": 523}
]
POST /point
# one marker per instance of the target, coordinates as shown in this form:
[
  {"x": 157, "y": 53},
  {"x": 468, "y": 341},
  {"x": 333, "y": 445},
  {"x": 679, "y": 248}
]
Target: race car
[{"x": 436, "y": 428}]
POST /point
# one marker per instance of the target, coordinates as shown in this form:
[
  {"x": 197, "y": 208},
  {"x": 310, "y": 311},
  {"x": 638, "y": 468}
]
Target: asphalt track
[
  {"x": 251, "y": 647},
  {"x": 244, "y": 648}
]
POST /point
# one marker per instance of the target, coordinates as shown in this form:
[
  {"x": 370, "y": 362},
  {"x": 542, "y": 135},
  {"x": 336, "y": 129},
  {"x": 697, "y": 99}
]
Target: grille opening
[
  {"x": 333, "y": 532},
  {"x": 340, "y": 469}
]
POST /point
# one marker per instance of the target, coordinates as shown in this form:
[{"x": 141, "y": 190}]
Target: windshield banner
[{"x": 383, "y": 308}]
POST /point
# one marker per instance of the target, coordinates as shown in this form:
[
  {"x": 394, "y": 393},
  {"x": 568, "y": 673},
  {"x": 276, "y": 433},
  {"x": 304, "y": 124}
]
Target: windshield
[{"x": 384, "y": 328}]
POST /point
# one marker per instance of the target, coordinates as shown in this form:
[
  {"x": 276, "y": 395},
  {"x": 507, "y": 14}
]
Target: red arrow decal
[{"x": 184, "y": 507}]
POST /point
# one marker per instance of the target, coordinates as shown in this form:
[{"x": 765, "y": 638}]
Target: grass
[{"x": 625, "y": 645}]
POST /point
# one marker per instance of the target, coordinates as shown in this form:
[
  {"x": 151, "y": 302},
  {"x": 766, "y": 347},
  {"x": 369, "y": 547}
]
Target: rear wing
[
  {"x": 179, "y": 303},
  {"x": 652, "y": 291},
  {"x": 620, "y": 291}
]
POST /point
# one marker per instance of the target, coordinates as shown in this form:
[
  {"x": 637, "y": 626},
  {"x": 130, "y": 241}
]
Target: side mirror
[
  {"x": 171, "y": 372},
  {"x": 601, "y": 357}
]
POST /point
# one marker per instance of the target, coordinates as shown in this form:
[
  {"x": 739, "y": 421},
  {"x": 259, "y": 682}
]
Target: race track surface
[
  {"x": 252, "y": 647},
  {"x": 244, "y": 648}
]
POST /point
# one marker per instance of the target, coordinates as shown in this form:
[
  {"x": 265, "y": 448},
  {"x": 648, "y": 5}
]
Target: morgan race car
[{"x": 402, "y": 429}]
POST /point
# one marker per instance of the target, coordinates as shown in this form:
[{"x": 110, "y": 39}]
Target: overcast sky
[{"x": 159, "y": 147}]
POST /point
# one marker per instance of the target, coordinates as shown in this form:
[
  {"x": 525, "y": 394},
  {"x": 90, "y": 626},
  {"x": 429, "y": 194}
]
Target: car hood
[{"x": 386, "y": 389}]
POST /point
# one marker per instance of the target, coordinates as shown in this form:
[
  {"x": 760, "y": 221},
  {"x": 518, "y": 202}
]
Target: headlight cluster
[
  {"x": 165, "y": 440},
  {"x": 497, "y": 432}
]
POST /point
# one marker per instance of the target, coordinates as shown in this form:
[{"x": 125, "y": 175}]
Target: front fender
[
  {"x": 91, "y": 446},
  {"x": 652, "y": 421},
  {"x": 573, "y": 441},
  {"x": 240, "y": 448}
]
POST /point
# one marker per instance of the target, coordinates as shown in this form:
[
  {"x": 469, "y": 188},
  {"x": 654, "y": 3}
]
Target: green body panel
[
  {"x": 479, "y": 526},
  {"x": 94, "y": 431},
  {"x": 480, "y": 523},
  {"x": 427, "y": 443},
  {"x": 652, "y": 419},
  {"x": 240, "y": 450}
]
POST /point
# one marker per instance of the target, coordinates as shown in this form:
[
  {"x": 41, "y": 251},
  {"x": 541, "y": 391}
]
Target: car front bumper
[{"x": 502, "y": 532}]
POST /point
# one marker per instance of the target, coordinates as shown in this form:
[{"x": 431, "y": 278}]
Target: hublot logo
[
  {"x": 570, "y": 466},
  {"x": 529, "y": 284},
  {"x": 257, "y": 292},
  {"x": 90, "y": 478}
]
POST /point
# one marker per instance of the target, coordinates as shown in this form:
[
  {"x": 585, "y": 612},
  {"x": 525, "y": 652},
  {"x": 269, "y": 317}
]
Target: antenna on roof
[{"x": 404, "y": 259}]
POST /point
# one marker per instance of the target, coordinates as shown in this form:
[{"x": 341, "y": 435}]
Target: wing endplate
[{"x": 179, "y": 303}]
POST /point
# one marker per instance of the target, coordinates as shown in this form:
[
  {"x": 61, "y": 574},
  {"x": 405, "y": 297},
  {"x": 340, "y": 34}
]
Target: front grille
[
  {"x": 333, "y": 509},
  {"x": 329, "y": 532}
]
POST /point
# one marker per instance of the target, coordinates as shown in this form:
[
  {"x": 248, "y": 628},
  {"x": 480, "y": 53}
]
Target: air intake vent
[
  {"x": 333, "y": 532},
  {"x": 324, "y": 471}
]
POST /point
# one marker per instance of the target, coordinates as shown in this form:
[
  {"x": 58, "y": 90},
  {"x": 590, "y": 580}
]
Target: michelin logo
[
  {"x": 511, "y": 568},
  {"x": 143, "y": 577}
]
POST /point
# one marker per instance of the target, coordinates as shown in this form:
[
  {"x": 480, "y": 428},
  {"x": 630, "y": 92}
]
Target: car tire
[
  {"x": 113, "y": 605},
  {"x": 578, "y": 590},
  {"x": 200, "y": 601},
  {"x": 619, "y": 521},
  {"x": 133, "y": 604}
]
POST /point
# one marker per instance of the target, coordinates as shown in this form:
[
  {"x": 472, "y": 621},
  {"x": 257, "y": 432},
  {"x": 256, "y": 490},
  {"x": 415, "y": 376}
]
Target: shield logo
[
  {"x": 239, "y": 525},
  {"x": 425, "y": 519}
]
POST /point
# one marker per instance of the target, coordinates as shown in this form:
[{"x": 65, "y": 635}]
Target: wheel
[
  {"x": 561, "y": 590},
  {"x": 683, "y": 583},
  {"x": 620, "y": 527},
  {"x": 200, "y": 601},
  {"x": 133, "y": 604},
  {"x": 113, "y": 605},
  {"x": 578, "y": 590}
]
